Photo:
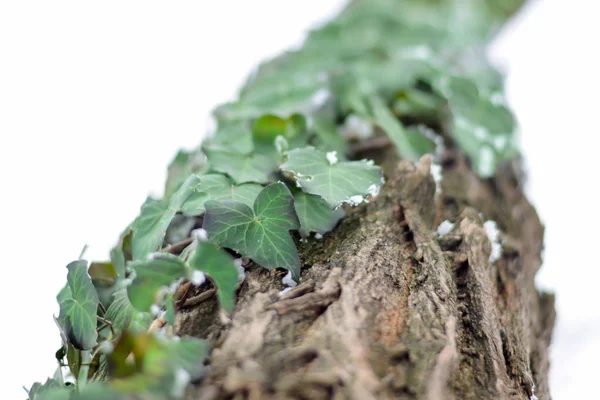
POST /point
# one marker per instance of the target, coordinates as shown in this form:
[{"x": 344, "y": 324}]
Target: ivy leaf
[
  {"x": 123, "y": 315},
  {"x": 315, "y": 214},
  {"x": 189, "y": 353},
  {"x": 219, "y": 266},
  {"x": 219, "y": 187},
  {"x": 50, "y": 389},
  {"x": 78, "y": 308},
  {"x": 183, "y": 165},
  {"x": 151, "y": 275},
  {"x": 260, "y": 233},
  {"x": 249, "y": 167},
  {"x": 233, "y": 136},
  {"x": 328, "y": 137},
  {"x": 150, "y": 226},
  {"x": 391, "y": 125},
  {"x": 335, "y": 181}
]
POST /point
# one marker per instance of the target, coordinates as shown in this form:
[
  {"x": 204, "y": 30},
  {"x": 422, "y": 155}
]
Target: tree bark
[{"x": 386, "y": 309}]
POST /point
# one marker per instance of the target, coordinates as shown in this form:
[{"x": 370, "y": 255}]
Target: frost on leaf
[
  {"x": 261, "y": 232},
  {"x": 342, "y": 182}
]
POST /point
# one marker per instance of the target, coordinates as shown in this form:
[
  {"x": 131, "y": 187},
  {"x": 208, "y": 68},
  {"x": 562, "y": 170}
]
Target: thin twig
[
  {"x": 192, "y": 301},
  {"x": 178, "y": 247},
  {"x": 371, "y": 144},
  {"x": 156, "y": 324}
]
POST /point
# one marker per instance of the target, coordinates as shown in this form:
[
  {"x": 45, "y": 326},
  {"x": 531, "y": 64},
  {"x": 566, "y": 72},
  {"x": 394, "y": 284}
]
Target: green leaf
[
  {"x": 269, "y": 126},
  {"x": 169, "y": 304},
  {"x": 391, "y": 125},
  {"x": 232, "y": 136},
  {"x": 328, "y": 137},
  {"x": 315, "y": 214},
  {"x": 150, "y": 226},
  {"x": 335, "y": 181},
  {"x": 221, "y": 188},
  {"x": 103, "y": 273},
  {"x": 51, "y": 389},
  {"x": 242, "y": 167},
  {"x": 219, "y": 266},
  {"x": 260, "y": 233},
  {"x": 123, "y": 315},
  {"x": 189, "y": 353},
  {"x": 183, "y": 165},
  {"x": 78, "y": 308},
  {"x": 151, "y": 275}
]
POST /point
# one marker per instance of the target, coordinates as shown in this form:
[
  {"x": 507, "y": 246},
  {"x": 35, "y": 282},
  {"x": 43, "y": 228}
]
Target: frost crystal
[
  {"x": 318, "y": 236},
  {"x": 200, "y": 234},
  {"x": 237, "y": 263},
  {"x": 436, "y": 173},
  {"x": 356, "y": 128},
  {"x": 182, "y": 379},
  {"x": 106, "y": 347},
  {"x": 288, "y": 281},
  {"x": 284, "y": 291},
  {"x": 434, "y": 137},
  {"x": 373, "y": 190},
  {"x": 445, "y": 228},
  {"x": 320, "y": 98},
  {"x": 281, "y": 144},
  {"x": 332, "y": 157},
  {"x": 198, "y": 278},
  {"x": 355, "y": 200},
  {"x": 486, "y": 161},
  {"x": 155, "y": 310},
  {"x": 493, "y": 234}
]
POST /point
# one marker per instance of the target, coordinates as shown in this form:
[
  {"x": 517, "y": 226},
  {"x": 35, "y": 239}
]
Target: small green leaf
[
  {"x": 250, "y": 167},
  {"x": 391, "y": 125},
  {"x": 219, "y": 187},
  {"x": 261, "y": 232},
  {"x": 218, "y": 265},
  {"x": 335, "y": 181},
  {"x": 78, "y": 309},
  {"x": 51, "y": 389},
  {"x": 150, "y": 226},
  {"x": 315, "y": 214},
  {"x": 103, "y": 273},
  {"x": 123, "y": 315},
  {"x": 183, "y": 165},
  {"x": 169, "y": 304},
  {"x": 232, "y": 136},
  {"x": 151, "y": 275},
  {"x": 189, "y": 353}
]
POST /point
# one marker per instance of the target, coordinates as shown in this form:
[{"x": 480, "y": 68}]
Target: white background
[{"x": 96, "y": 97}]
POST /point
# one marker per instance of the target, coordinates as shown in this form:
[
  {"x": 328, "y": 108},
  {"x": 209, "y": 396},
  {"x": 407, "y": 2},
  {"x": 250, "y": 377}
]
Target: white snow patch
[
  {"x": 357, "y": 128},
  {"x": 281, "y": 144},
  {"x": 418, "y": 53},
  {"x": 493, "y": 233},
  {"x": 155, "y": 310},
  {"x": 373, "y": 190},
  {"x": 182, "y": 380},
  {"x": 445, "y": 228},
  {"x": 486, "y": 161},
  {"x": 200, "y": 234},
  {"x": 198, "y": 278},
  {"x": 481, "y": 133},
  {"x": 436, "y": 172},
  {"x": 288, "y": 281},
  {"x": 237, "y": 263},
  {"x": 332, "y": 157},
  {"x": 355, "y": 200},
  {"x": 106, "y": 347},
  {"x": 320, "y": 98},
  {"x": 318, "y": 236},
  {"x": 284, "y": 291}
]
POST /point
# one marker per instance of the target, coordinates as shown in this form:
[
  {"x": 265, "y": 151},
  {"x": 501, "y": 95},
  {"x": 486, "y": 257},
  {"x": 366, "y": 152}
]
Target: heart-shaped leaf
[
  {"x": 219, "y": 187},
  {"x": 78, "y": 307},
  {"x": 335, "y": 181},
  {"x": 260, "y": 233},
  {"x": 219, "y": 266},
  {"x": 315, "y": 214},
  {"x": 250, "y": 167},
  {"x": 151, "y": 275},
  {"x": 123, "y": 315}
]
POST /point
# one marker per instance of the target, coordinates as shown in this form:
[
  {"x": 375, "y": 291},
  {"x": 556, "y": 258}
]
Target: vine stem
[{"x": 86, "y": 359}]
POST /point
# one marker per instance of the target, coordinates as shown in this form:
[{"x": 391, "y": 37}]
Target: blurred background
[{"x": 96, "y": 98}]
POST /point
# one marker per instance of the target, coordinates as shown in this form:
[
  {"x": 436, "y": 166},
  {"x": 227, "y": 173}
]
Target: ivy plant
[{"x": 286, "y": 161}]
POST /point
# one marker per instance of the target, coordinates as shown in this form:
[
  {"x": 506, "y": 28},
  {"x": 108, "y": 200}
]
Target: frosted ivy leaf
[
  {"x": 261, "y": 232},
  {"x": 315, "y": 214},
  {"x": 218, "y": 187},
  {"x": 241, "y": 167},
  {"x": 342, "y": 182}
]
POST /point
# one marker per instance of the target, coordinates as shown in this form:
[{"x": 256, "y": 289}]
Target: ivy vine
[{"x": 283, "y": 163}]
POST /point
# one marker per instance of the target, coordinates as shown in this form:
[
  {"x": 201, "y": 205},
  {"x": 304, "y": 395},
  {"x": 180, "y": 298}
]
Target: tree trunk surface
[{"x": 388, "y": 310}]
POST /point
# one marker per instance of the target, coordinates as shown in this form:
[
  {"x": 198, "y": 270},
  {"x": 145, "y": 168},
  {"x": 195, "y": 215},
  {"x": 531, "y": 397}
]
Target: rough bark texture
[{"x": 386, "y": 310}]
